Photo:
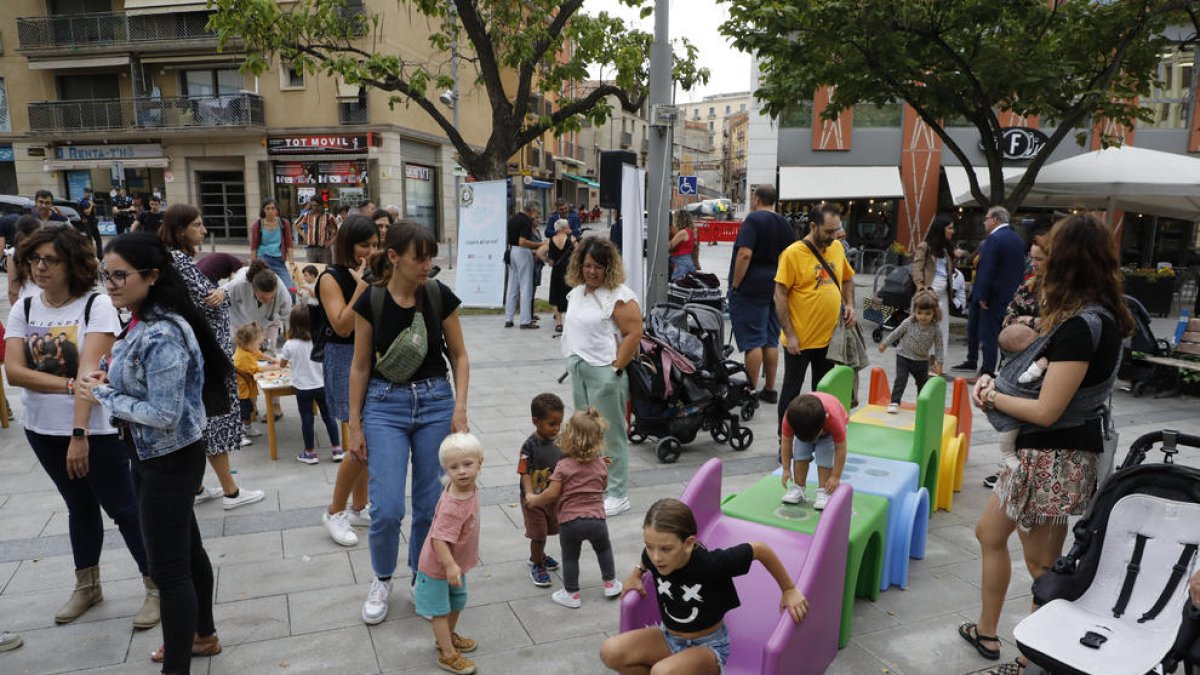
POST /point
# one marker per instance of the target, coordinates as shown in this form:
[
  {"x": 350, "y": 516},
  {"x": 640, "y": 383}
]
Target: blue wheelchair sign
[{"x": 687, "y": 185}]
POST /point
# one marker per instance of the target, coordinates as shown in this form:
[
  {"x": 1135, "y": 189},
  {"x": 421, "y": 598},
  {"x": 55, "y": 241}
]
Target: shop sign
[
  {"x": 109, "y": 152},
  {"x": 1017, "y": 143},
  {"x": 36, "y": 152},
  {"x": 304, "y": 145},
  {"x": 6, "y": 153},
  {"x": 418, "y": 172}
]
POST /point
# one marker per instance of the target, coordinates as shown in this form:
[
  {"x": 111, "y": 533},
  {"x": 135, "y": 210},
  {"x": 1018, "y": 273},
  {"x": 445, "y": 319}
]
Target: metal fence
[
  {"x": 181, "y": 112},
  {"x": 37, "y": 33}
]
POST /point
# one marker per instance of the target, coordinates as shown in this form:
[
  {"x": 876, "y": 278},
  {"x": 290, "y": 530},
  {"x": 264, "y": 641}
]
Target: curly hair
[
  {"x": 605, "y": 253},
  {"x": 1081, "y": 267},
  {"x": 72, "y": 246},
  {"x": 583, "y": 437}
]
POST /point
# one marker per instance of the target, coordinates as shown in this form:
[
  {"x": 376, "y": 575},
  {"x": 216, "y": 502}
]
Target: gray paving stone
[
  {"x": 548, "y": 622},
  {"x": 36, "y": 609},
  {"x": 930, "y": 593},
  {"x": 854, "y": 660},
  {"x": 244, "y": 548},
  {"x": 315, "y": 540},
  {"x": 341, "y": 606},
  {"x": 409, "y": 643},
  {"x": 254, "y": 620},
  {"x": 344, "y": 650},
  {"x": 258, "y": 579},
  {"x": 931, "y": 645},
  {"x": 59, "y": 572},
  {"x": 73, "y": 647}
]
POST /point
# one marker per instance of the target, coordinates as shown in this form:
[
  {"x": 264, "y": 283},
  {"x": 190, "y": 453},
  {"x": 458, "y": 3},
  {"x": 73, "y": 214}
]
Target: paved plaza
[{"x": 288, "y": 598}]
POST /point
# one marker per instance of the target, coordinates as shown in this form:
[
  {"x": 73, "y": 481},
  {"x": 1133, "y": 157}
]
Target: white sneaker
[
  {"x": 821, "y": 500},
  {"x": 208, "y": 494},
  {"x": 249, "y": 430},
  {"x": 794, "y": 495},
  {"x": 244, "y": 497},
  {"x": 612, "y": 589},
  {"x": 893, "y": 408},
  {"x": 567, "y": 599},
  {"x": 339, "y": 528},
  {"x": 615, "y": 505},
  {"x": 359, "y": 518},
  {"x": 375, "y": 609},
  {"x": 246, "y": 441}
]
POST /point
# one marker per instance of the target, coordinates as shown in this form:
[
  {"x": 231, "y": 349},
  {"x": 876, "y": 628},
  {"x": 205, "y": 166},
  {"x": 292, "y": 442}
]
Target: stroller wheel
[
  {"x": 720, "y": 431},
  {"x": 748, "y": 409},
  {"x": 742, "y": 439},
  {"x": 636, "y": 437},
  {"x": 668, "y": 450},
  {"x": 1139, "y": 388},
  {"x": 877, "y": 335}
]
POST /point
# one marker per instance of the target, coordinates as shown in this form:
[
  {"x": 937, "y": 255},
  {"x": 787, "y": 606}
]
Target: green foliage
[
  {"x": 1069, "y": 62},
  {"x": 515, "y": 51}
]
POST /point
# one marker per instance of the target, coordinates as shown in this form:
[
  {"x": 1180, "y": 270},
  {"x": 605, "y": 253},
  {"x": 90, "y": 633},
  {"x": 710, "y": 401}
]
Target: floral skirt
[{"x": 1046, "y": 486}]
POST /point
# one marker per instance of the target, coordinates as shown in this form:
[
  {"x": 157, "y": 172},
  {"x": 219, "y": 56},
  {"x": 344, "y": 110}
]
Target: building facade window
[
  {"x": 212, "y": 82},
  {"x": 867, "y": 115},
  {"x": 291, "y": 78},
  {"x": 1171, "y": 102},
  {"x": 352, "y": 110},
  {"x": 797, "y": 115},
  {"x": 5, "y": 120}
]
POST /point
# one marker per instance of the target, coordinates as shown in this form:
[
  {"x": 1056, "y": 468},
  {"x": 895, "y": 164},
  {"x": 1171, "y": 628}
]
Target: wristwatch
[{"x": 79, "y": 432}]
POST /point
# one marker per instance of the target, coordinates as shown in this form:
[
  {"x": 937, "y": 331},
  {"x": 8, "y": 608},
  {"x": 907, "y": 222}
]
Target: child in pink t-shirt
[
  {"x": 817, "y": 423},
  {"x": 578, "y": 485},
  {"x": 451, "y": 550}
]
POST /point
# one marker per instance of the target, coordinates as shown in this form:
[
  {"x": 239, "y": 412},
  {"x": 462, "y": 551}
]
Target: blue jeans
[
  {"x": 681, "y": 265},
  {"x": 399, "y": 421},
  {"x": 304, "y": 402},
  {"x": 278, "y": 266}
]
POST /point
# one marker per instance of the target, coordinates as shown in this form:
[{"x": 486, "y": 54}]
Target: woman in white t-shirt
[
  {"x": 309, "y": 384},
  {"x": 601, "y": 331},
  {"x": 55, "y": 334}
]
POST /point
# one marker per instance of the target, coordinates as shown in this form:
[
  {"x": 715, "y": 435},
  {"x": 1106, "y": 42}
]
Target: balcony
[
  {"x": 112, "y": 31},
  {"x": 180, "y": 113}
]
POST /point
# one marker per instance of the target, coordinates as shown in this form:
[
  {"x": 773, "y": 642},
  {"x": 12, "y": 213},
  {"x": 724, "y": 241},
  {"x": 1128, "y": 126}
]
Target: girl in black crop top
[{"x": 694, "y": 589}]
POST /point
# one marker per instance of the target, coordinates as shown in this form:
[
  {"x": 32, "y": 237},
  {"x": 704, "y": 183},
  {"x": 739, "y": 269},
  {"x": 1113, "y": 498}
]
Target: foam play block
[{"x": 760, "y": 503}]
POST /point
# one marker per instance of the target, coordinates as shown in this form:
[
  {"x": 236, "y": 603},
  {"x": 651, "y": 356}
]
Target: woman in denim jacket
[{"x": 162, "y": 369}]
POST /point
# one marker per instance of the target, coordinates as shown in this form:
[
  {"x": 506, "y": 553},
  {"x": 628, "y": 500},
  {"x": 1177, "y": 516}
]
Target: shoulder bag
[
  {"x": 847, "y": 345},
  {"x": 406, "y": 353}
]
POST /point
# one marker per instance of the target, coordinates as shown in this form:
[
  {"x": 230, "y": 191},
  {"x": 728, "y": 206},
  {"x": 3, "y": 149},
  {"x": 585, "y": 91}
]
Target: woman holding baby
[{"x": 1050, "y": 418}]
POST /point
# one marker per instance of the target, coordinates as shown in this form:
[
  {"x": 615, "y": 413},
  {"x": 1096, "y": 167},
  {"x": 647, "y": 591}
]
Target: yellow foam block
[{"x": 877, "y": 415}]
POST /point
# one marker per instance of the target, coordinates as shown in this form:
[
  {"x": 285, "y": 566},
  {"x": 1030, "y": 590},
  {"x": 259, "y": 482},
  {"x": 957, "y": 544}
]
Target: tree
[
  {"x": 509, "y": 48},
  {"x": 1069, "y": 62}
]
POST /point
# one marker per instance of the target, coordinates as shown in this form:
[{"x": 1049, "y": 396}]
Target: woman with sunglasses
[
  {"x": 72, "y": 437},
  {"x": 183, "y": 232},
  {"x": 167, "y": 370}
]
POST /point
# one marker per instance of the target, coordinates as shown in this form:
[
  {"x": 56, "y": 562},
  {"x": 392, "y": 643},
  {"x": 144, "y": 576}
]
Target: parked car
[{"x": 23, "y": 205}]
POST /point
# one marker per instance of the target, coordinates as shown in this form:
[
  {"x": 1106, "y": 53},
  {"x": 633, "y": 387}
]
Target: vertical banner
[
  {"x": 482, "y": 231},
  {"x": 633, "y": 230}
]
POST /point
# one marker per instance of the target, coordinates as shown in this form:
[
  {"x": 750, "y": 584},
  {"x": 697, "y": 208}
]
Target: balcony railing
[
  {"x": 110, "y": 29},
  {"x": 119, "y": 114}
]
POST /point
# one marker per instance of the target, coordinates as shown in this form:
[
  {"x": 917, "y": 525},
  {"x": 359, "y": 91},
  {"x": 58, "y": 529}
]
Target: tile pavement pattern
[{"x": 288, "y": 598}]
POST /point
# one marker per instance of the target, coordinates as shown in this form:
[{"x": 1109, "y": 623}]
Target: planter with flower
[
  {"x": 1155, "y": 288},
  {"x": 896, "y": 254}
]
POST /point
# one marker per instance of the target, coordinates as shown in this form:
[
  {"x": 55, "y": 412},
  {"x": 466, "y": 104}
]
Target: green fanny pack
[{"x": 407, "y": 352}]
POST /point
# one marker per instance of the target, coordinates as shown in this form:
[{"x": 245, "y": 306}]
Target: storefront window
[
  {"x": 420, "y": 195},
  {"x": 868, "y": 115},
  {"x": 337, "y": 183}
]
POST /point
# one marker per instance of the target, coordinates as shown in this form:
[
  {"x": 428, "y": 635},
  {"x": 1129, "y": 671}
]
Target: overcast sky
[{"x": 698, "y": 20}]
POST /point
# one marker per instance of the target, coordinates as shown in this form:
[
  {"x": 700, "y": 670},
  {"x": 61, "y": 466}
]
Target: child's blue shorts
[
  {"x": 436, "y": 597},
  {"x": 822, "y": 449},
  {"x": 717, "y": 641}
]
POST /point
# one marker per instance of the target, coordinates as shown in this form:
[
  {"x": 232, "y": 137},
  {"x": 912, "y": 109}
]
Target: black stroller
[
  {"x": 890, "y": 301},
  {"x": 682, "y": 382},
  {"x": 1142, "y": 374},
  {"x": 1117, "y": 603}
]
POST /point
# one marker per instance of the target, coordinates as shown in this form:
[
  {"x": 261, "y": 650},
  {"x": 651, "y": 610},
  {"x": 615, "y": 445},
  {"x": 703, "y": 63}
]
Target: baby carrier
[
  {"x": 1115, "y": 604},
  {"x": 682, "y": 382}
]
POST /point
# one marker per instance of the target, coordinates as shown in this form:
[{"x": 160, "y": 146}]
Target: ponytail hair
[{"x": 402, "y": 236}]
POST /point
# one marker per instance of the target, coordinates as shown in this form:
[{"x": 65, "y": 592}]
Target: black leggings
[
  {"x": 571, "y": 536},
  {"x": 905, "y": 367},
  {"x": 179, "y": 565}
]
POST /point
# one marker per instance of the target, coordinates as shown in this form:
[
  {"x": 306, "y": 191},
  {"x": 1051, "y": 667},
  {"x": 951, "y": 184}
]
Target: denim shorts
[
  {"x": 822, "y": 449},
  {"x": 336, "y": 370},
  {"x": 436, "y": 597},
  {"x": 717, "y": 641},
  {"x": 754, "y": 322}
]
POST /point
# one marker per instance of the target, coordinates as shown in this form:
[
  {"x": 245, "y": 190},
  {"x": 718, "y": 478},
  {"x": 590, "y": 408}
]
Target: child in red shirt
[{"x": 817, "y": 424}]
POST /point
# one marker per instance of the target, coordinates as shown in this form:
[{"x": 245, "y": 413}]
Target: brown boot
[
  {"x": 87, "y": 593},
  {"x": 148, "y": 615}
]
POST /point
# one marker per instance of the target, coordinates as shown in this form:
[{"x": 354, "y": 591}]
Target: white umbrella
[{"x": 1128, "y": 178}]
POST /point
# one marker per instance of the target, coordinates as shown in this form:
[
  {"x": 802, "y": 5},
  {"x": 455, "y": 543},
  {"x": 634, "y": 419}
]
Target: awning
[
  {"x": 134, "y": 7},
  {"x": 569, "y": 160},
  {"x": 580, "y": 179},
  {"x": 960, "y": 186},
  {"x": 839, "y": 182},
  {"x": 89, "y": 62},
  {"x": 71, "y": 164},
  {"x": 539, "y": 185}
]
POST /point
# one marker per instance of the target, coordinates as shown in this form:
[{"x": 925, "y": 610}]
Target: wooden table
[{"x": 274, "y": 390}]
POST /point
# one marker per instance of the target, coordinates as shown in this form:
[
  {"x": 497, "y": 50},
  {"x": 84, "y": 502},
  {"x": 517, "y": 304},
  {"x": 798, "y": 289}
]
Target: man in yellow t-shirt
[{"x": 808, "y": 301}]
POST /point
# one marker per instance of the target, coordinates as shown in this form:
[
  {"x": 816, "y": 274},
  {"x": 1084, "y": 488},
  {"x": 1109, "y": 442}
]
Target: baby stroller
[
  {"x": 1114, "y": 605},
  {"x": 1142, "y": 374},
  {"x": 889, "y": 303},
  {"x": 682, "y": 382},
  {"x": 696, "y": 287}
]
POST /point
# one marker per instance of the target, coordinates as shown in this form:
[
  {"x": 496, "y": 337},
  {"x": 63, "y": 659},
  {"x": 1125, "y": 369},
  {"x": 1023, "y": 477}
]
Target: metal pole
[
  {"x": 457, "y": 178},
  {"x": 658, "y": 171}
]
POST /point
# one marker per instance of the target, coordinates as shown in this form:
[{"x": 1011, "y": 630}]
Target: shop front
[
  {"x": 138, "y": 167},
  {"x": 334, "y": 168}
]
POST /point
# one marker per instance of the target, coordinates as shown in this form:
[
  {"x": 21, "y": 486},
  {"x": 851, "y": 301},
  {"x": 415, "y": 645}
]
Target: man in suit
[{"x": 1001, "y": 269}]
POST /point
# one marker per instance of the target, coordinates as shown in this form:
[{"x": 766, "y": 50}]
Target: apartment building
[
  {"x": 736, "y": 137},
  {"x": 133, "y": 93},
  {"x": 713, "y": 110}
]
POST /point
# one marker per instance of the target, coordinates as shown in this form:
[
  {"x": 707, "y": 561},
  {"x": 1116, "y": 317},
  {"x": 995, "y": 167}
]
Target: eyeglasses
[
  {"x": 48, "y": 261},
  {"x": 117, "y": 278}
]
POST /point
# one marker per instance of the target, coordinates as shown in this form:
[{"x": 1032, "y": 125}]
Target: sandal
[
  {"x": 1014, "y": 667},
  {"x": 201, "y": 646},
  {"x": 970, "y": 633}
]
